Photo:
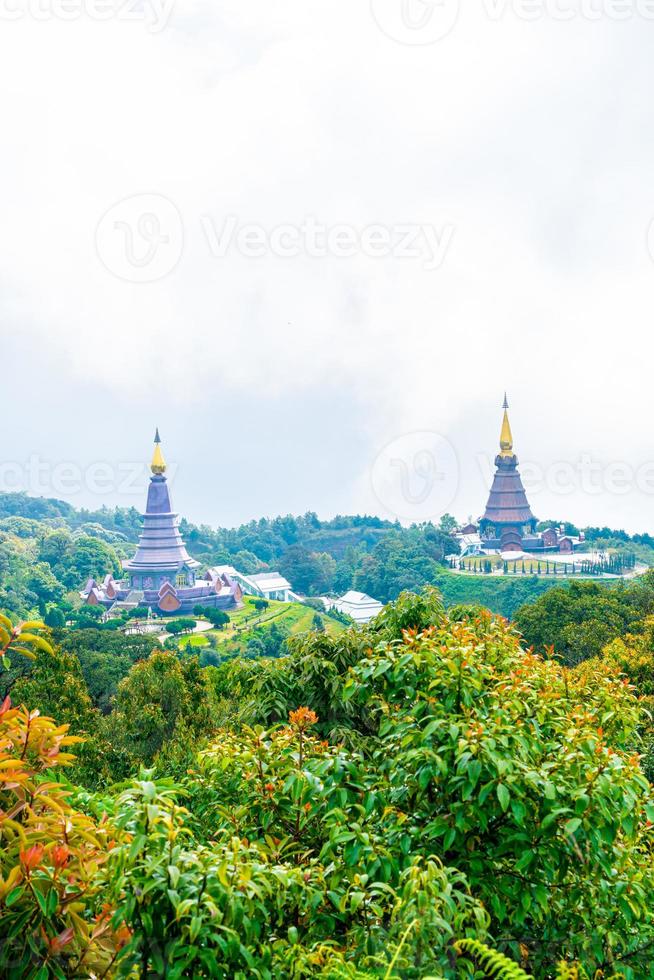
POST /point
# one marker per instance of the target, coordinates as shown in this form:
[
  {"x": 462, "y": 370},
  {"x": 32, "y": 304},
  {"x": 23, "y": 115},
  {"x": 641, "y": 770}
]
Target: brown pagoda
[{"x": 508, "y": 523}]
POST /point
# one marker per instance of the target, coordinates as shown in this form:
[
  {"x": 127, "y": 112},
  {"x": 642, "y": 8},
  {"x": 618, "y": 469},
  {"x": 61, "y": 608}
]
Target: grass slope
[{"x": 248, "y": 621}]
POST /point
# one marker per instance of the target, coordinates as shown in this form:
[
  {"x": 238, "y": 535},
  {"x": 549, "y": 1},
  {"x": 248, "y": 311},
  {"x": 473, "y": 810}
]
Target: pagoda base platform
[
  {"x": 220, "y": 593},
  {"x": 529, "y": 544}
]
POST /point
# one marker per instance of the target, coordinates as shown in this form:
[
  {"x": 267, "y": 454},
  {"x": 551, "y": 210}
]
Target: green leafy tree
[
  {"x": 163, "y": 698},
  {"x": 448, "y": 524},
  {"x": 275, "y": 852},
  {"x": 515, "y": 804},
  {"x": 218, "y": 618},
  {"x": 55, "y": 686},
  {"x": 105, "y": 659},
  {"x": 182, "y": 625},
  {"x": 55, "y": 618},
  {"x": 309, "y": 572},
  {"x": 577, "y": 620},
  {"x": 317, "y": 623},
  {"x": 45, "y": 587},
  {"x": 51, "y": 920}
]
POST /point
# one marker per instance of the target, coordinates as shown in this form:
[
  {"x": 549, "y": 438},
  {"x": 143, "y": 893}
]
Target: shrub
[
  {"x": 52, "y": 920},
  {"x": 519, "y": 773}
]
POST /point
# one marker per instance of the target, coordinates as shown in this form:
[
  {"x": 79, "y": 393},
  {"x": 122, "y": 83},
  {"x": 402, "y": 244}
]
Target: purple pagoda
[{"x": 162, "y": 575}]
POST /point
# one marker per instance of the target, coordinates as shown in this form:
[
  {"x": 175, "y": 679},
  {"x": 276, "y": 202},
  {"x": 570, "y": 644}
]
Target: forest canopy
[{"x": 419, "y": 798}]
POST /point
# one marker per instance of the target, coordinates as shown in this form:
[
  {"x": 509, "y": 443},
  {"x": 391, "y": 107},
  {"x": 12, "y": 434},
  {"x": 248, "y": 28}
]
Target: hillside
[
  {"x": 48, "y": 550},
  {"x": 252, "y": 633}
]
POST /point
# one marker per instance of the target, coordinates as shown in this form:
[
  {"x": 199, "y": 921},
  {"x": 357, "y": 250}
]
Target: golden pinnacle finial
[
  {"x": 506, "y": 436},
  {"x": 158, "y": 464}
]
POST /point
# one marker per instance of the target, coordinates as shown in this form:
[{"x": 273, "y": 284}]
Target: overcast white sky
[{"x": 174, "y": 179}]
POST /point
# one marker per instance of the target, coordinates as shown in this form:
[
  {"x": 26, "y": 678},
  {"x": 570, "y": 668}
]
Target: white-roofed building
[
  {"x": 361, "y": 607},
  {"x": 267, "y": 585},
  {"x": 272, "y": 585}
]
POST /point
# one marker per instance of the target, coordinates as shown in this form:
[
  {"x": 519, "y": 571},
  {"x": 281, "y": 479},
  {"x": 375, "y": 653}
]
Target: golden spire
[
  {"x": 158, "y": 464},
  {"x": 506, "y": 436}
]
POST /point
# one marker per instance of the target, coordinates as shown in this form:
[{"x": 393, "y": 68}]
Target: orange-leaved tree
[{"x": 52, "y": 923}]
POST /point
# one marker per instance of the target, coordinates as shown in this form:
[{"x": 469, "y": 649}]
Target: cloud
[{"x": 529, "y": 140}]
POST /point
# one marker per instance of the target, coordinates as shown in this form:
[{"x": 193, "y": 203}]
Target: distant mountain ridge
[{"x": 50, "y": 548}]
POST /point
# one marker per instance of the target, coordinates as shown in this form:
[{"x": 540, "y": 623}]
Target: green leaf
[
  {"x": 542, "y": 896},
  {"x": 581, "y": 803},
  {"x": 518, "y": 810},
  {"x": 474, "y": 772},
  {"x": 424, "y": 778},
  {"x": 335, "y": 898},
  {"x": 14, "y": 895},
  {"x": 571, "y": 825},
  {"x": 356, "y": 898},
  {"x": 525, "y": 860},
  {"x": 137, "y": 844},
  {"x": 52, "y": 901},
  {"x": 41, "y": 899},
  {"x": 503, "y": 795}
]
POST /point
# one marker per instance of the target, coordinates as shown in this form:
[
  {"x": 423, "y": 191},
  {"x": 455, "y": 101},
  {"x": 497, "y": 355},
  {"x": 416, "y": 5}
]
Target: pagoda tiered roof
[
  {"x": 162, "y": 573},
  {"x": 507, "y": 502}
]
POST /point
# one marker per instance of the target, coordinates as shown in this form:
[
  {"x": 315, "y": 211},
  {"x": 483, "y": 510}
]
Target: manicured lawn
[
  {"x": 294, "y": 615},
  {"x": 194, "y": 640}
]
